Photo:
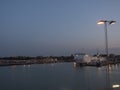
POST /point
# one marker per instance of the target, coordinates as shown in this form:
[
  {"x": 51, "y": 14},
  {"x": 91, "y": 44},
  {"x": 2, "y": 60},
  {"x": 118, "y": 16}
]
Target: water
[{"x": 58, "y": 76}]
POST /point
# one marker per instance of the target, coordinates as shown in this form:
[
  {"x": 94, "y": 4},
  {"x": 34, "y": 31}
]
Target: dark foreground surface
[{"x": 59, "y": 76}]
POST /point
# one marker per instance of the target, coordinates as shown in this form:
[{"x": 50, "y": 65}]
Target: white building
[{"x": 85, "y": 58}]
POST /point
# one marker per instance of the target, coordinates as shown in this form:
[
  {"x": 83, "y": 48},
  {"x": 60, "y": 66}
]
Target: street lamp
[{"x": 105, "y": 22}]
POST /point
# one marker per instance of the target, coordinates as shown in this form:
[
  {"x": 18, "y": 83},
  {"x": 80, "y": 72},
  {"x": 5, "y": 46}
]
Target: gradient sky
[{"x": 57, "y": 27}]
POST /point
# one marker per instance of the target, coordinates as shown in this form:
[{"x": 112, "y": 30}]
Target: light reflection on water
[{"x": 58, "y": 76}]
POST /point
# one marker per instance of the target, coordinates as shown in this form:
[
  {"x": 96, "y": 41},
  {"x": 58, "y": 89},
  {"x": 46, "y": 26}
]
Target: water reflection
[
  {"x": 115, "y": 86},
  {"x": 59, "y": 76},
  {"x": 104, "y": 74},
  {"x": 28, "y": 66}
]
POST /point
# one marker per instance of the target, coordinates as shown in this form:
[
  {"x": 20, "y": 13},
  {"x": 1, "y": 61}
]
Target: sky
[{"x": 57, "y": 27}]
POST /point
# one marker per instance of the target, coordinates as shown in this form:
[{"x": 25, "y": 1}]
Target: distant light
[
  {"x": 116, "y": 86},
  {"x": 76, "y": 55}
]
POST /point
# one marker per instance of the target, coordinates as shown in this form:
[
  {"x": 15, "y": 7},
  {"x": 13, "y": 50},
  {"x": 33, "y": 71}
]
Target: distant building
[
  {"x": 82, "y": 58},
  {"x": 85, "y": 58}
]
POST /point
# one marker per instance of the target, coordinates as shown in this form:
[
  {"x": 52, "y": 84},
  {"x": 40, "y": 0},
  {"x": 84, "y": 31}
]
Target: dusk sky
[{"x": 57, "y": 27}]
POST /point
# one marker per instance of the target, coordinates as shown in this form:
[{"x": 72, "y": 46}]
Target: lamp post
[{"x": 105, "y": 22}]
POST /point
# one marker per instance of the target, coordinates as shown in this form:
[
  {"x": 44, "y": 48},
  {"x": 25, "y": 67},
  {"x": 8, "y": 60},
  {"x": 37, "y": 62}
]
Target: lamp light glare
[
  {"x": 116, "y": 86},
  {"x": 100, "y": 23}
]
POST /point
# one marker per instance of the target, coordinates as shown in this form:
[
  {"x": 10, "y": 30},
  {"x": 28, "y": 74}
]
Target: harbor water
[{"x": 59, "y": 76}]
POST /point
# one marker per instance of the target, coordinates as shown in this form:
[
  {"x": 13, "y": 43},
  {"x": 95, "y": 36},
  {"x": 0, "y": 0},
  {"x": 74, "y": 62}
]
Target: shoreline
[
  {"x": 77, "y": 64},
  {"x": 29, "y": 62}
]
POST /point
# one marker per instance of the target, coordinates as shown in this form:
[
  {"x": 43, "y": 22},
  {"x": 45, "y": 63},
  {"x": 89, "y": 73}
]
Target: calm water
[{"x": 59, "y": 76}]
